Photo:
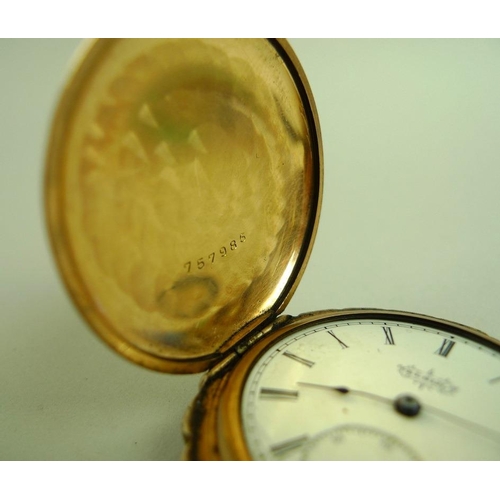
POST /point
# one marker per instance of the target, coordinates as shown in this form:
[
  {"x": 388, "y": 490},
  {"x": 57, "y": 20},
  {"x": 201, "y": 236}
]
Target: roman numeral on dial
[
  {"x": 270, "y": 392},
  {"x": 289, "y": 444},
  {"x": 445, "y": 348},
  {"x": 344, "y": 346},
  {"x": 389, "y": 339},
  {"x": 299, "y": 359}
]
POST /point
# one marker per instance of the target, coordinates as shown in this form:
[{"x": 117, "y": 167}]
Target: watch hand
[
  {"x": 409, "y": 406},
  {"x": 345, "y": 390}
]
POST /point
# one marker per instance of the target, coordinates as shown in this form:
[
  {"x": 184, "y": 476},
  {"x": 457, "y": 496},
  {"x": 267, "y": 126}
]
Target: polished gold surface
[{"x": 183, "y": 190}]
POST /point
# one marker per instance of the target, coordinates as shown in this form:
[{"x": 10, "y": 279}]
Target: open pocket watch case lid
[{"x": 183, "y": 190}]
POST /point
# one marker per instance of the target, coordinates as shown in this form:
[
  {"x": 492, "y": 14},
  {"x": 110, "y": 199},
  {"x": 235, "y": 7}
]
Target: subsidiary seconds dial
[{"x": 374, "y": 388}]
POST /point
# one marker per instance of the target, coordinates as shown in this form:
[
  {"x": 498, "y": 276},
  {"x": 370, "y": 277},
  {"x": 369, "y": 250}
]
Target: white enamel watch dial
[{"x": 372, "y": 389}]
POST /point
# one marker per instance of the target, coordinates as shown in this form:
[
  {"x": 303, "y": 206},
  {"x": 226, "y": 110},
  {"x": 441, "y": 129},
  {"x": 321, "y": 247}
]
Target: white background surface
[{"x": 410, "y": 221}]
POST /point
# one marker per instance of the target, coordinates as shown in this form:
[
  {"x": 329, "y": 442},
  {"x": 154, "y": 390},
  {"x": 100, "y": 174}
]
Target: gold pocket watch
[{"x": 183, "y": 191}]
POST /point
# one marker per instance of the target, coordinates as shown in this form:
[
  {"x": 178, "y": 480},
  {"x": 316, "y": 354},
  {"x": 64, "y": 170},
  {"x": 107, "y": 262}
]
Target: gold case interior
[{"x": 183, "y": 192}]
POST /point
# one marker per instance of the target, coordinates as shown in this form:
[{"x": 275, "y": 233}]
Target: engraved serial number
[{"x": 222, "y": 252}]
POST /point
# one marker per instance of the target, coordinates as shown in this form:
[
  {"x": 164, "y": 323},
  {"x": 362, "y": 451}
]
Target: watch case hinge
[
  {"x": 222, "y": 366},
  {"x": 249, "y": 342}
]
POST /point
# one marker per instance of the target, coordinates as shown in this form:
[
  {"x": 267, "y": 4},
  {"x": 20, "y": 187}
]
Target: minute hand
[{"x": 409, "y": 406}]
